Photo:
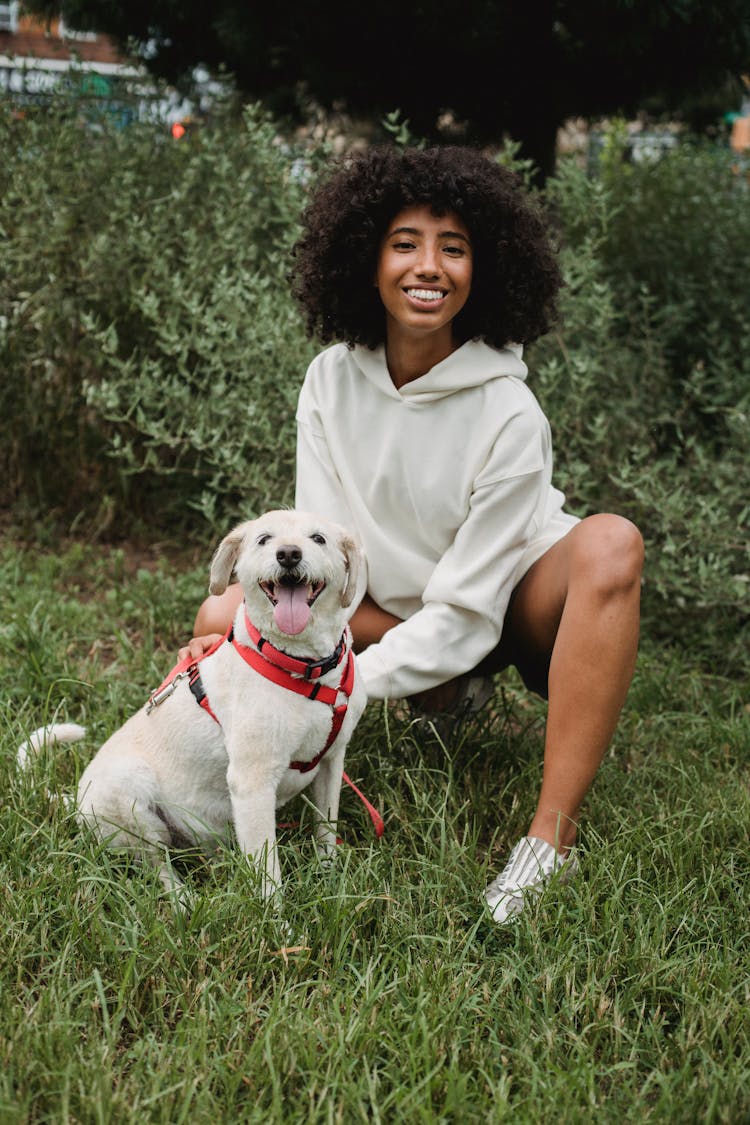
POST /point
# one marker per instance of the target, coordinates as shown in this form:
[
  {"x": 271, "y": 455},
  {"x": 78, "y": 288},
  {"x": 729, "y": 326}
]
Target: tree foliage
[
  {"x": 152, "y": 353},
  {"x": 494, "y": 65}
]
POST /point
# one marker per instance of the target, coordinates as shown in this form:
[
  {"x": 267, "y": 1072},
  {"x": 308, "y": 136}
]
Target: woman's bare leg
[
  {"x": 217, "y": 611},
  {"x": 578, "y": 608}
]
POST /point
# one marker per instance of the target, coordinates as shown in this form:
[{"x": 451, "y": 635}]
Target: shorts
[{"x": 554, "y": 530}]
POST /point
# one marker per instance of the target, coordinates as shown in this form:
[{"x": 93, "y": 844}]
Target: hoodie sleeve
[
  {"x": 318, "y": 488},
  {"x": 466, "y": 597}
]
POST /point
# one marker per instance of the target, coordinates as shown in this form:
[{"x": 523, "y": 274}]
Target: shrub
[
  {"x": 153, "y": 337},
  {"x": 681, "y": 231},
  {"x": 649, "y": 400}
]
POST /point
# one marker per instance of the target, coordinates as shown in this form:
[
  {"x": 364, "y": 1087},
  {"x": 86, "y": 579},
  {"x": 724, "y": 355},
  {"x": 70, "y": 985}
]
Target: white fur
[
  {"x": 60, "y": 732},
  {"x": 174, "y": 776}
]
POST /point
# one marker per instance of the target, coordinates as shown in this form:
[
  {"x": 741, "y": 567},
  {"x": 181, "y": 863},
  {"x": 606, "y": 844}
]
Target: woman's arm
[
  {"x": 214, "y": 617},
  {"x": 369, "y": 623}
]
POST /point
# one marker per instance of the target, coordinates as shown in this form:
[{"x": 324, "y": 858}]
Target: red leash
[{"x": 377, "y": 821}]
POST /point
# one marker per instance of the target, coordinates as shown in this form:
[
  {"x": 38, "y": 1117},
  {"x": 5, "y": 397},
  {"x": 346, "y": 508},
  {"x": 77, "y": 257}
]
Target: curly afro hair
[{"x": 515, "y": 273}]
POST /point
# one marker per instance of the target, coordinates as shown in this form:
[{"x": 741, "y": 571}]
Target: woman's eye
[{"x": 319, "y": 539}]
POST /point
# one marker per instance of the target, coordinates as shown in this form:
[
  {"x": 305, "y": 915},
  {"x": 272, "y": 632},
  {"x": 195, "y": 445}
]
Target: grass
[{"x": 621, "y": 997}]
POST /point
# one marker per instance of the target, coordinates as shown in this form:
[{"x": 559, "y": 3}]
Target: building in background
[{"x": 39, "y": 61}]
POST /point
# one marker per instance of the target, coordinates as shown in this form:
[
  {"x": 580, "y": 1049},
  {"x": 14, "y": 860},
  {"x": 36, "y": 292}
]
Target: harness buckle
[
  {"x": 161, "y": 694},
  {"x": 316, "y": 669}
]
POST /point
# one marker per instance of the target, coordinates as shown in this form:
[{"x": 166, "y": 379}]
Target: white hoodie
[{"x": 447, "y": 482}]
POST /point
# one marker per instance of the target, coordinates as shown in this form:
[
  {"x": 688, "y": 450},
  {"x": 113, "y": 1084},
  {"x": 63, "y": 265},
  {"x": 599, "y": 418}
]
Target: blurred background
[{"x": 155, "y": 159}]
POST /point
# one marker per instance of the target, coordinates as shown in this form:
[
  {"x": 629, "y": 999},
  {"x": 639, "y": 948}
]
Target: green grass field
[{"x": 624, "y": 996}]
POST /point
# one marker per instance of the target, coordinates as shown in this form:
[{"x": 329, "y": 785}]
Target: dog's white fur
[{"x": 173, "y": 776}]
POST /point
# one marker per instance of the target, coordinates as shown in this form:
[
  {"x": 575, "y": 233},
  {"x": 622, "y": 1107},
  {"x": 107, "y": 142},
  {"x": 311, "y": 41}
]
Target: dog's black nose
[{"x": 288, "y": 556}]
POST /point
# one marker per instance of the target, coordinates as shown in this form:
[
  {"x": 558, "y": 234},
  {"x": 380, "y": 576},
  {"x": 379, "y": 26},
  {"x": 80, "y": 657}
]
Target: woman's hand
[
  {"x": 213, "y": 619},
  {"x": 198, "y": 645}
]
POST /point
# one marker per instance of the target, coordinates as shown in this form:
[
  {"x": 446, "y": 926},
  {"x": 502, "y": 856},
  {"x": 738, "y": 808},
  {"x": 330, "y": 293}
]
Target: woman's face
[{"x": 424, "y": 273}]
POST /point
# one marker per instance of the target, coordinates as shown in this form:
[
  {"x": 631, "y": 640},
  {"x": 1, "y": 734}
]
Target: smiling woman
[{"x": 418, "y": 432}]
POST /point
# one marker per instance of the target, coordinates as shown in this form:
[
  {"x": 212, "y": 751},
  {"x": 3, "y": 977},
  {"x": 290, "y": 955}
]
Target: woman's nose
[{"x": 428, "y": 264}]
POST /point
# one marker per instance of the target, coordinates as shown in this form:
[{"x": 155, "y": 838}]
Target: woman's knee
[{"x": 610, "y": 552}]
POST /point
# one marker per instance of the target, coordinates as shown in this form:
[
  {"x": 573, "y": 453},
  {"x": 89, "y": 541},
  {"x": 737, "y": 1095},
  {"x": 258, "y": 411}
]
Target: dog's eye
[
  {"x": 262, "y": 540},
  {"x": 318, "y": 538}
]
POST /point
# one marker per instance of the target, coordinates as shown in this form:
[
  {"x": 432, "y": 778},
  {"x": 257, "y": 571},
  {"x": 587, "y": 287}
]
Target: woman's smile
[{"x": 431, "y": 296}]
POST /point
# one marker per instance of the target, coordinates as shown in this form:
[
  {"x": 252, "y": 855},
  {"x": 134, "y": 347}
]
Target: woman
[{"x": 419, "y": 432}]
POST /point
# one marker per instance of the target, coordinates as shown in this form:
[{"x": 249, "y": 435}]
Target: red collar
[{"x": 298, "y": 666}]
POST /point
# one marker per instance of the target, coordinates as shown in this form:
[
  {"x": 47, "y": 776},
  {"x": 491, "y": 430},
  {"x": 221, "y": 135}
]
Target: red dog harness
[{"x": 300, "y": 676}]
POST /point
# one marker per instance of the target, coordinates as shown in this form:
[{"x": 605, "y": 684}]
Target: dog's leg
[
  {"x": 145, "y": 850},
  {"x": 326, "y": 791},
  {"x": 120, "y": 808},
  {"x": 254, "y": 814}
]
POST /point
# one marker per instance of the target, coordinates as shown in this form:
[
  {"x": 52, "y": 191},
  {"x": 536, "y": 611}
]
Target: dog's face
[{"x": 294, "y": 568}]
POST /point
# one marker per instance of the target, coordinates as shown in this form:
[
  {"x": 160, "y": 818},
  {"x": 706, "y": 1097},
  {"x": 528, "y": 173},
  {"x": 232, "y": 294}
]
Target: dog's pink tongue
[{"x": 291, "y": 612}]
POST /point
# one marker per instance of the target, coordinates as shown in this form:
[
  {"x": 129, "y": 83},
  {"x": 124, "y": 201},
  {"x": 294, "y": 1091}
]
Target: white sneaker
[
  {"x": 530, "y": 865},
  {"x": 473, "y": 695}
]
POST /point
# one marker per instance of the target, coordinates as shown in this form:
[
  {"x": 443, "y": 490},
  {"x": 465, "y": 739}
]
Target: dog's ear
[
  {"x": 222, "y": 564},
  {"x": 353, "y": 556}
]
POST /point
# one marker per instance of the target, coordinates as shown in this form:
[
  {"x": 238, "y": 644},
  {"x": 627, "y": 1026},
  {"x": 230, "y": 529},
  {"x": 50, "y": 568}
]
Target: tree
[{"x": 516, "y": 67}]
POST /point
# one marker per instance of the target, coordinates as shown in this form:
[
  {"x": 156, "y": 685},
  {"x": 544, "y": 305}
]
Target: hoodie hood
[{"x": 471, "y": 365}]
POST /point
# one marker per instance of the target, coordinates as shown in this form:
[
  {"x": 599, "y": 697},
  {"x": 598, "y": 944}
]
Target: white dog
[{"x": 279, "y": 698}]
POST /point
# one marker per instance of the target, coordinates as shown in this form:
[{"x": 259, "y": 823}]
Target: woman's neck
[{"x": 409, "y": 358}]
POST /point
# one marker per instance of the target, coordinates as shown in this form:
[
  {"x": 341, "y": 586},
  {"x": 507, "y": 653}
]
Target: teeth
[{"x": 426, "y": 294}]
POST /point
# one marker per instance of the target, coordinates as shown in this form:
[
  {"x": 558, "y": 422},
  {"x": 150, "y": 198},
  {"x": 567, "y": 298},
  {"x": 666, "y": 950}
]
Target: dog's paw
[{"x": 180, "y": 898}]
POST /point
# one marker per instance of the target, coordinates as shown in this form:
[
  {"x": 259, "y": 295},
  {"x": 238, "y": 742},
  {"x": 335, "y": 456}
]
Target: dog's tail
[{"x": 57, "y": 732}]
